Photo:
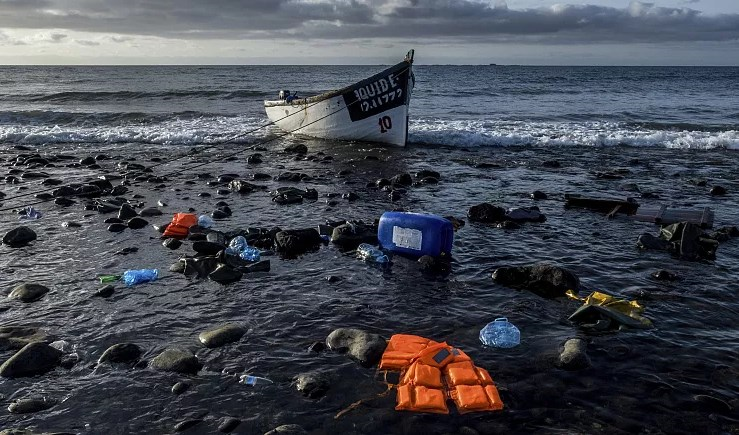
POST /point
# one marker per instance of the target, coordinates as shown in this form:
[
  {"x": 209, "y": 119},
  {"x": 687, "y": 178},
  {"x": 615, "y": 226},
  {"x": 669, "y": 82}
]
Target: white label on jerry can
[{"x": 407, "y": 238}]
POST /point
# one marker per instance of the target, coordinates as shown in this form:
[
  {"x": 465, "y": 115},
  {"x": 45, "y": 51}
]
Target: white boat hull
[{"x": 373, "y": 110}]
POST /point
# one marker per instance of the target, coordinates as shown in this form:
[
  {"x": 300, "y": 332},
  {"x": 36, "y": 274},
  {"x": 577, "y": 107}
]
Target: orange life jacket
[
  {"x": 432, "y": 373},
  {"x": 179, "y": 228}
]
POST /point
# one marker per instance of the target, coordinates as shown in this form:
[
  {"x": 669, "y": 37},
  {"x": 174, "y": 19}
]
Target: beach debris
[
  {"x": 29, "y": 213},
  {"x": 684, "y": 240},
  {"x": 663, "y": 215},
  {"x": 605, "y": 205},
  {"x": 601, "y": 311},
  {"x": 543, "y": 279}
]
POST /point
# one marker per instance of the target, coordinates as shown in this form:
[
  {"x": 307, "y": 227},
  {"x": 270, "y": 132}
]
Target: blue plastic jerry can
[{"x": 415, "y": 234}]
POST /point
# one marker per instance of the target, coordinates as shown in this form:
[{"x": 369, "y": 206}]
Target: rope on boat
[{"x": 187, "y": 168}]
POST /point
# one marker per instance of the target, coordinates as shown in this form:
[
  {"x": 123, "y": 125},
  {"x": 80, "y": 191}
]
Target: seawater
[
  {"x": 489, "y": 131},
  {"x": 677, "y": 107}
]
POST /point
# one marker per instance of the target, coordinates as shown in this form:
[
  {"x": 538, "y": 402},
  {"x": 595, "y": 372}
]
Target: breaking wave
[{"x": 467, "y": 133}]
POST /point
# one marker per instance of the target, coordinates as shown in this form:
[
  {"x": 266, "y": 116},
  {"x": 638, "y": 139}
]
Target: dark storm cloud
[{"x": 349, "y": 19}]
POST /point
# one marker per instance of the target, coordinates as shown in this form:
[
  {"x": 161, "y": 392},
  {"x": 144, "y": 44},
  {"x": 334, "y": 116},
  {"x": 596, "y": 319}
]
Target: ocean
[{"x": 663, "y": 136}]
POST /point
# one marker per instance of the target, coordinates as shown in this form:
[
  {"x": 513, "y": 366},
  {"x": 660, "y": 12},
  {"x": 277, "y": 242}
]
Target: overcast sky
[{"x": 545, "y": 32}]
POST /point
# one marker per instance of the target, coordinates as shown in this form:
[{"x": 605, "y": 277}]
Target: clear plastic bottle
[
  {"x": 133, "y": 277},
  {"x": 30, "y": 213},
  {"x": 254, "y": 380},
  {"x": 500, "y": 333},
  {"x": 250, "y": 253},
  {"x": 369, "y": 253},
  {"x": 236, "y": 245},
  {"x": 205, "y": 221}
]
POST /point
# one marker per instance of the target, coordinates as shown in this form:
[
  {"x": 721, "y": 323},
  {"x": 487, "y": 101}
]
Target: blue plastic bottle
[
  {"x": 236, "y": 245},
  {"x": 250, "y": 253},
  {"x": 205, "y": 221},
  {"x": 369, "y": 253},
  {"x": 500, "y": 333},
  {"x": 133, "y": 277}
]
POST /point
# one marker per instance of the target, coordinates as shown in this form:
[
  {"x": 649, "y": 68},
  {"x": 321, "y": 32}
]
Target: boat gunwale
[{"x": 330, "y": 94}]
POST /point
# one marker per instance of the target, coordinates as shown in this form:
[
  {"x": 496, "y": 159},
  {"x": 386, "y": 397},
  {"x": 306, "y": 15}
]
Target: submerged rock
[
  {"x": 228, "y": 424},
  {"x": 296, "y": 242},
  {"x": 363, "y": 346},
  {"x": 225, "y": 274},
  {"x": 180, "y": 387},
  {"x": 313, "y": 384},
  {"x": 28, "y": 292},
  {"x": 351, "y": 235},
  {"x": 573, "y": 355},
  {"x": 228, "y": 333},
  {"x": 287, "y": 429},
  {"x": 33, "y": 359},
  {"x": 542, "y": 279},
  {"x": 29, "y": 405},
  {"x": 176, "y": 360}
]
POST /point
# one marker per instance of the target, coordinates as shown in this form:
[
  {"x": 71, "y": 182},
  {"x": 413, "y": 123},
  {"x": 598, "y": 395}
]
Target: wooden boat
[{"x": 374, "y": 109}]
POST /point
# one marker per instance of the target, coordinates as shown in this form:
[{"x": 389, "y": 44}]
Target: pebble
[
  {"x": 117, "y": 228},
  {"x": 137, "y": 223},
  {"x": 172, "y": 244},
  {"x": 121, "y": 353},
  {"x": 217, "y": 337},
  {"x": 180, "y": 387},
  {"x": 18, "y": 237},
  {"x": 228, "y": 424},
  {"x": 28, "y": 292}
]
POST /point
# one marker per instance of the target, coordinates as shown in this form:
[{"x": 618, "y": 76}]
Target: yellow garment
[{"x": 623, "y": 306}]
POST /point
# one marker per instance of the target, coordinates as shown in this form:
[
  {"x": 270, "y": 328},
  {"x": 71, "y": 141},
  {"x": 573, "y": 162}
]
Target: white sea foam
[
  {"x": 466, "y": 133},
  {"x": 461, "y": 133}
]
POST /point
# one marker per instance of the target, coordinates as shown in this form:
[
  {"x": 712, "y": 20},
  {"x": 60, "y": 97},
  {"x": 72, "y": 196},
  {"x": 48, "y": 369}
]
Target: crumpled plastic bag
[{"x": 603, "y": 311}]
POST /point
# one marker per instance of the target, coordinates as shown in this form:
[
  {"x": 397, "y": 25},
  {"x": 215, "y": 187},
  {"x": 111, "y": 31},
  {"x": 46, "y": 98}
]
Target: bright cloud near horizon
[{"x": 543, "y": 32}]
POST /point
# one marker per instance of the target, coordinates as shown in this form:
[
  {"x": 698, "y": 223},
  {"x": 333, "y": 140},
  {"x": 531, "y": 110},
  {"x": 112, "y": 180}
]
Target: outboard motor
[{"x": 284, "y": 94}]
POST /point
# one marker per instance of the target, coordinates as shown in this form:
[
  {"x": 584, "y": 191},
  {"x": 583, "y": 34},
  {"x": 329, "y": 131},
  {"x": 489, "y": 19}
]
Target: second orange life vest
[{"x": 179, "y": 228}]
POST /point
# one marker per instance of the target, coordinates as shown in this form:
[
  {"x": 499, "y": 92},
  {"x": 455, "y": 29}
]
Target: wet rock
[
  {"x": 434, "y": 265},
  {"x": 297, "y": 149},
  {"x": 718, "y": 190},
  {"x": 28, "y": 292},
  {"x": 228, "y": 424},
  {"x": 708, "y": 403},
  {"x": 224, "y": 274},
  {"x": 126, "y": 353},
  {"x": 180, "y": 387},
  {"x": 172, "y": 244},
  {"x": 19, "y": 236},
  {"x": 187, "y": 424},
  {"x": 117, "y": 228},
  {"x": 260, "y": 266},
  {"x": 176, "y": 360},
  {"x": 351, "y": 235},
  {"x": 573, "y": 355},
  {"x": 351, "y": 196},
  {"x": 29, "y": 405},
  {"x": 313, "y": 384},
  {"x": 402, "y": 180},
  {"x": 126, "y": 212},
  {"x": 137, "y": 223},
  {"x": 202, "y": 266},
  {"x": 317, "y": 347},
  {"x": 218, "y": 214},
  {"x": 239, "y": 186},
  {"x": 296, "y": 242},
  {"x": 382, "y": 182},
  {"x": 228, "y": 333},
  {"x": 665, "y": 275},
  {"x": 64, "y": 202},
  {"x": 525, "y": 214},
  {"x": 395, "y": 195},
  {"x": 87, "y": 161},
  {"x": 456, "y": 223},
  {"x": 486, "y": 213},
  {"x": 291, "y": 176},
  {"x": 363, "y": 346},
  {"x": 254, "y": 159},
  {"x": 112, "y": 220},
  {"x": 205, "y": 247},
  {"x": 150, "y": 212},
  {"x": 16, "y": 337},
  {"x": 542, "y": 279},
  {"x": 33, "y": 359},
  {"x": 538, "y": 195},
  {"x": 105, "y": 291},
  {"x": 287, "y": 429}
]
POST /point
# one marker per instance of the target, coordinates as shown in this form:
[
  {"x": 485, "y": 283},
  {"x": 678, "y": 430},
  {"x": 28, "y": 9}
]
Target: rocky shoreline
[{"x": 295, "y": 205}]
